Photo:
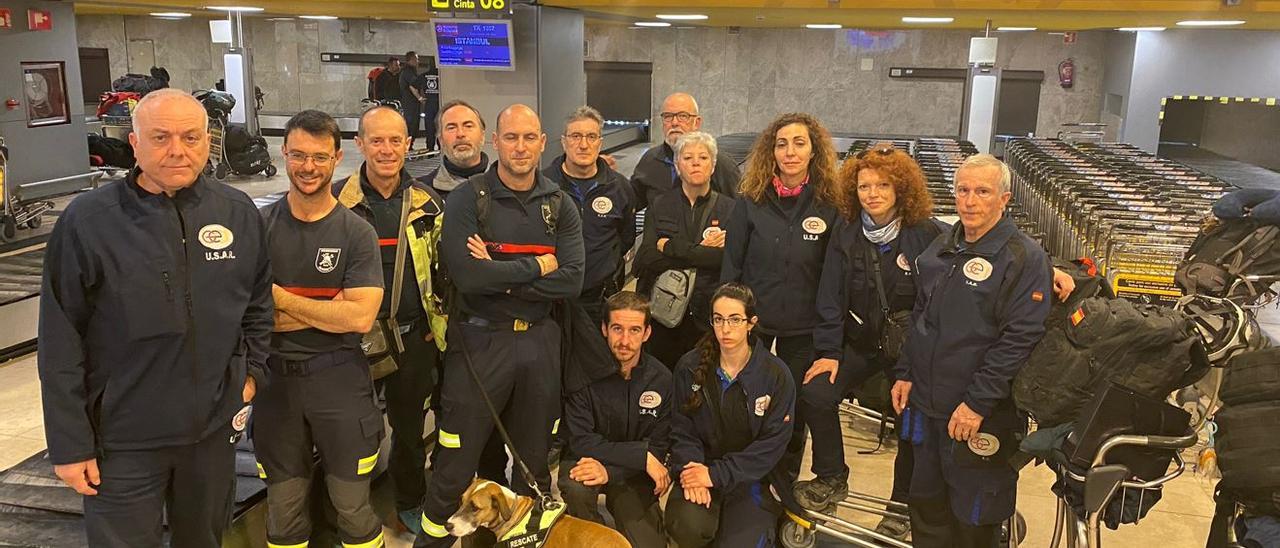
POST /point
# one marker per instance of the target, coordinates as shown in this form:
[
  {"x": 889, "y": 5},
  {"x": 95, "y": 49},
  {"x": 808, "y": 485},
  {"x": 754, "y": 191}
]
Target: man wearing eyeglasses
[
  {"x": 986, "y": 290},
  {"x": 328, "y": 283},
  {"x": 377, "y": 193},
  {"x": 605, "y": 201},
  {"x": 655, "y": 173}
]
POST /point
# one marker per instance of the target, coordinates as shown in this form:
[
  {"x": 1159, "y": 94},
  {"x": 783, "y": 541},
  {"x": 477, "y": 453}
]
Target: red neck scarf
[{"x": 784, "y": 192}]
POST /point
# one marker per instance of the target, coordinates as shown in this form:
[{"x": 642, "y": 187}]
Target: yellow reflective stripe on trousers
[
  {"x": 555, "y": 427},
  {"x": 366, "y": 464},
  {"x": 377, "y": 542},
  {"x": 262, "y": 472},
  {"x": 429, "y": 527},
  {"x": 449, "y": 440},
  {"x": 302, "y": 544}
]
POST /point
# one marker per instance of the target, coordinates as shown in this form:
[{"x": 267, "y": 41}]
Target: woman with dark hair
[
  {"x": 729, "y": 433},
  {"x": 867, "y": 277},
  {"x": 777, "y": 240}
]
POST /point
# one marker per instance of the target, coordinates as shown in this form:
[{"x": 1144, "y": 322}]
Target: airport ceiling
[{"x": 1045, "y": 15}]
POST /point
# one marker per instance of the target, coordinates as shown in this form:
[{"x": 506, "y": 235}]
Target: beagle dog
[{"x": 488, "y": 505}]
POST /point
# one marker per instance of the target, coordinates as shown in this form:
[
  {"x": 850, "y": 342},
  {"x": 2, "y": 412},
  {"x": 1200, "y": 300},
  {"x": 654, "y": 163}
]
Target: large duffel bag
[{"x": 1149, "y": 349}]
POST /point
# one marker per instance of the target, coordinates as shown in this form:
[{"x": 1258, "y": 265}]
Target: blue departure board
[{"x": 474, "y": 44}]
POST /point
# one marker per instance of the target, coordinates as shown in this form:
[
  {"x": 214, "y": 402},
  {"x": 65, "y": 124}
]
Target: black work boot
[
  {"x": 894, "y": 527},
  {"x": 819, "y": 494}
]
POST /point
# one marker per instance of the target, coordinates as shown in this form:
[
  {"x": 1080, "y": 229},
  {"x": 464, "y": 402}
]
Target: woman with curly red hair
[{"x": 866, "y": 292}]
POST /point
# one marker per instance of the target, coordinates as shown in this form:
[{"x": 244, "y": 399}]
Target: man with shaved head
[
  {"x": 655, "y": 173},
  {"x": 155, "y": 319},
  {"x": 407, "y": 235},
  {"x": 512, "y": 244}
]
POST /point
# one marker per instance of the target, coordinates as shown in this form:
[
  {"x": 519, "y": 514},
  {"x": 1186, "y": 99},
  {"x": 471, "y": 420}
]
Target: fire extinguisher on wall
[{"x": 1066, "y": 72}]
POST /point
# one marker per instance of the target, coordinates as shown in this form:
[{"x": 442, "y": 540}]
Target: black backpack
[
  {"x": 114, "y": 152},
  {"x": 1225, "y": 251},
  {"x": 1149, "y": 349}
]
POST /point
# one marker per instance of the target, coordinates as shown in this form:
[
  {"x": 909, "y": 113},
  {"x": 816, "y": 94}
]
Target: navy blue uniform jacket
[
  {"x": 672, "y": 217},
  {"x": 978, "y": 315},
  {"x": 619, "y": 422},
  {"x": 848, "y": 285},
  {"x": 511, "y": 285},
  {"x": 608, "y": 220},
  {"x": 152, "y": 311},
  {"x": 655, "y": 175},
  {"x": 778, "y": 253},
  {"x": 771, "y": 395}
]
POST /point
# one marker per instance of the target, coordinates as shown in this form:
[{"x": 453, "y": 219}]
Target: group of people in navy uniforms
[{"x": 176, "y": 319}]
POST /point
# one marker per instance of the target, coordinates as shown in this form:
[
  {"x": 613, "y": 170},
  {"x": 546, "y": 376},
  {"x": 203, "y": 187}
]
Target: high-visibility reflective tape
[
  {"x": 555, "y": 427},
  {"x": 429, "y": 527},
  {"x": 366, "y": 464},
  {"x": 449, "y": 440},
  {"x": 302, "y": 544},
  {"x": 377, "y": 542},
  {"x": 262, "y": 472}
]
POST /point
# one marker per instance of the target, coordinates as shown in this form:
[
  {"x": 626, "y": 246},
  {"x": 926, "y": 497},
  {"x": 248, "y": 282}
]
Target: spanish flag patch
[{"x": 1077, "y": 316}]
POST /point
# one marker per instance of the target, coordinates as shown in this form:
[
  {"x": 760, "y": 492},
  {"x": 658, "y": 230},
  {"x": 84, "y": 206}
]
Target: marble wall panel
[{"x": 780, "y": 70}]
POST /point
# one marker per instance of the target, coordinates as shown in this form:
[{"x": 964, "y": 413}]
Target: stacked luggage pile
[{"x": 1138, "y": 214}]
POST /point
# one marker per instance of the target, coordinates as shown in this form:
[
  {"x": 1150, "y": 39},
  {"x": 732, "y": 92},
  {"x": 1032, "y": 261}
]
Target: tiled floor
[{"x": 1180, "y": 520}]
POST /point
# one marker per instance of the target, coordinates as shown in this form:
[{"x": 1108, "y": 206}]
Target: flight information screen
[{"x": 474, "y": 44}]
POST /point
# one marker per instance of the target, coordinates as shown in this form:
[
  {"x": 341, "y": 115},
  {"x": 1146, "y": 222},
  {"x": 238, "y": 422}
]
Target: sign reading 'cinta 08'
[{"x": 471, "y": 6}]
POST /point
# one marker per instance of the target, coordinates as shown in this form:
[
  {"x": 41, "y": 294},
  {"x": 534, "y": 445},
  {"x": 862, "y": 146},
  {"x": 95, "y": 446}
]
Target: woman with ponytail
[{"x": 735, "y": 406}]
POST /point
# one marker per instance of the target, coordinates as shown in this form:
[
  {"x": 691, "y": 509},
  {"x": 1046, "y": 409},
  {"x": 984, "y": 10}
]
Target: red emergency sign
[
  {"x": 6, "y": 18},
  {"x": 39, "y": 20}
]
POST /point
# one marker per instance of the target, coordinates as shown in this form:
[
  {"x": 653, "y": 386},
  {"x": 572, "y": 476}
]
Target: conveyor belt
[{"x": 20, "y": 276}]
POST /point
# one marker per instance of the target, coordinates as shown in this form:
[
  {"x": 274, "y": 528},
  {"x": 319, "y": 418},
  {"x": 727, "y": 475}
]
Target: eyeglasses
[
  {"x": 883, "y": 151},
  {"x": 731, "y": 321},
  {"x": 301, "y": 158},
  {"x": 591, "y": 138},
  {"x": 682, "y": 117}
]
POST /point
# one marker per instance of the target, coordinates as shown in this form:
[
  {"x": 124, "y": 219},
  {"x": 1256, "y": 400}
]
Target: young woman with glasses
[{"x": 729, "y": 432}]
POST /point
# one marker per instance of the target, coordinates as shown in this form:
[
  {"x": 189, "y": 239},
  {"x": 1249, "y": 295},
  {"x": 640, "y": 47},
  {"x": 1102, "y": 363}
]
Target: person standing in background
[{"x": 411, "y": 96}]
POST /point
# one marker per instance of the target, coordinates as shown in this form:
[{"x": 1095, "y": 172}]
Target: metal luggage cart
[
  {"x": 801, "y": 530},
  {"x": 1103, "y": 479},
  {"x": 25, "y": 204},
  {"x": 219, "y": 166}
]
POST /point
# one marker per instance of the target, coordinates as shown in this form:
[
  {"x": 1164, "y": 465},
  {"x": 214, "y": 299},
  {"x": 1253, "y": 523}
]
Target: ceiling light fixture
[
  {"x": 652, "y": 24},
  {"x": 682, "y": 16},
  {"x": 170, "y": 14},
  {"x": 822, "y": 26},
  {"x": 279, "y": 18},
  {"x": 318, "y": 17},
  {"x": 1140, "y": 29},
  {"x": 928, "y": 20},
  {"x": 240, "y": 9},
  {"x": 1016, "y": 29},
  {"x": 1207, "y": 23}
]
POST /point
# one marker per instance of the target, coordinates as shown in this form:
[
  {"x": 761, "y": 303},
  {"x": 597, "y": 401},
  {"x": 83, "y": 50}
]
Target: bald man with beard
[{"x": 155, "y": 318}]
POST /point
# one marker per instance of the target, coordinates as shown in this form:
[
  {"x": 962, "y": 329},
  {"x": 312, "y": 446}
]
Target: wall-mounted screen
[{"x": 474, "y": 44}]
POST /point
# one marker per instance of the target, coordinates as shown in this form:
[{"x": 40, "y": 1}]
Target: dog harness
[{"x": 519, "y": 536}]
